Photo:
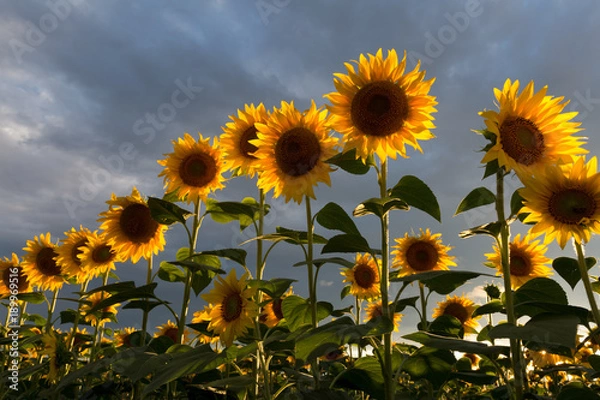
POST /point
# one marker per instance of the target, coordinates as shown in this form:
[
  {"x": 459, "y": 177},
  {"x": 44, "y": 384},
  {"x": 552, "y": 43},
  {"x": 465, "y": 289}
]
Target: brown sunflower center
[
  {"x": 103, "y": 254},
  {"x": 522, "y": 140},
  {"x": 45, "y": 262},
  {"x": 422, "y": 256},
  {"x": 76, "y": 251},
  {"x": 458, "y": 311},
  {"x": 520, "y": 263},
  {"x": 572, "y": 206},
  {"x": 247, "y": 148},
  {"x": 297, "y": 151},
  {"x": 277, "y": 308},
  {"x": 231, "y": 307},
  {"x": 364, "y": 276},
  {"x": 198, "y": 169},
  {"x": 379, "y": 108},
  {"x": 172, "y": 333},
  {"x": 22, "y": 282},
  {"x": 137, "y": 223}
]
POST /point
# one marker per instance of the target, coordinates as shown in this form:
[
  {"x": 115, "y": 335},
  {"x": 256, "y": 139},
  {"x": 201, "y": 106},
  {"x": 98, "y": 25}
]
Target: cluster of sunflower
[{"x": 378, "y": 108}]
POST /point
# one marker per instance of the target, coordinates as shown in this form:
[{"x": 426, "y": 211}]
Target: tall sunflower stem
[
  {"x": 146, "y": 312},
  {"x": 99, "y": 329},
  {"x": 311, "y": 281},
  {"x": 389, "y": 384},
  {"x": 517, "y": 357},
  {"x": 423, "y": 306},
  {"x": 357, "y": 303},
  {"x": 84, "y": 286},
  {"x": 585, "y": 277},
  {"x": 189, "y": 274},
  {"x": 51, "y": 310}
]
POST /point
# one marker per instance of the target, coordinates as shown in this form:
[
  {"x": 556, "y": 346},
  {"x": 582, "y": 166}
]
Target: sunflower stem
[
  {"x": 424, "y": 322},
  {"x": 517, "y": 358},
  {"x": 389, "y": 384},
  {"x": 84, "y": 286},
  {"x": 311, "y": 281},
  {"x": 189, "y": 274},
  {"x": 357, "y": 303},
  {"x": 51, "y": 310},
  {"x": 586, "y": 281},
  {"x": 146, "y": 312}
]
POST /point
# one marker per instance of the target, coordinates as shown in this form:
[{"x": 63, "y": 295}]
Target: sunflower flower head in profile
[
  {"x": 233, "y": 311},
  {"x": 379, "y": 107},
  {"x": 563, "y": 201},
  {"x": 237, "y": 136},
  {"x": 293, "y": 148},
  {"x": 130, "y": 229},
  {"x": 529, "y": 130},
  {"x": 422, "y": 253}
]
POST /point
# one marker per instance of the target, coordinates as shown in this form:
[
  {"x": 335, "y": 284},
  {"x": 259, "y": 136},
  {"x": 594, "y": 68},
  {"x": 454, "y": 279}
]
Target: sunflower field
[{"x": 258, "y": 338}]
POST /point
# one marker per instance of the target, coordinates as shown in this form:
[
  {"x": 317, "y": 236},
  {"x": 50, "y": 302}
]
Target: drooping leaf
[
  {"x": 516, "y": 202},
  {"x": 442, "y": 282},
  {"x": 236, "y": 255},
  {"x": 492, "y": 307},
  {"x": 542, "y": 290},
  {"x": 430, "y": 363},
  {"x": 297, "y": 311},
  {"x": 379, "y": 206},
  {"x": 466, "y": 346},
  {"x": 33, "y": 298},
  {"x": 551, "y": 329},
  {"x": 170, "y": 273},
  {"x": 478, "y": 197},
  {"x": 349, "y": 162},
  {"x": 319, "y": 262},
  {"x": 417, "y": 194},
  {"x": 275, "y": 287},
  {"x": 332, "y": 216},
  {"x": 165, "y": 212},
  {"x": 491, "y": 228},
  {"x": 346, "y": 244},
  {"x": 491, "y": 168},
  {"x": 568, "y": 269},
  {"x": 366, "y": 375},
  {"x": 403, "y": 303}
]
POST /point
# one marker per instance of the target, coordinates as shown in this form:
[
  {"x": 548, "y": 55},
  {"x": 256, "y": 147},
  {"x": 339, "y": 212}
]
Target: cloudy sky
[{"x": 92, "y": 93}]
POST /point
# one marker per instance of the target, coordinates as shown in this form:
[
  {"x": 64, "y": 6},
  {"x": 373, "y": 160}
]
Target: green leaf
[
  {"x": 366, "y": 375},
  {"x": 442, "y": 282},
  {"x": 235, "y": 383},
  {"x": 236, "y": 255},
  {"x": 466, "y": 346},
  {"x": 196, "y": 266},
  {"x": 478, "y": 197},
  {"x": 447, "y": 325},
  {"x": 403, "y": 303},
  {"x": 332, "y": 216},
  {"x": 201, "y": 279},
  {"x": 577, "y": 393},
  {"x": 293, "y": 237},
  {"x": 550, "y": 329},
  {"x": 275, "y": 287},
  {"x": 475, "y": 377},
  {"x": 516, "y": 202},
  {"x": 246, "y": 212},
  {"x": 379, "y": 206},
  {"x": 345, "y": 292},
  {"x": 165, "y": 212},
  {"x": 33, "y": 298},
  {"x": 417, "y": 194},
  {"x": 170, "y": 273},
  {"x": 492, "y": 307},
  {"x": 319, "y": 262},
  {"x": 349, "y": 162},
  {"x": 297, "y": 311},
  {"x": 146, "y": 291},
  {"x": 491, "y": 168},
  {"x": 347, "y": 244},
  {"x": 542, "y": 290},
  {"x": 568, "y": 269},
  {"x": 68, "y": 316},
  {"x": 491, "y": 228},
  {"x": 142, "y": 305},
  {"x": 430, "y": 363}
]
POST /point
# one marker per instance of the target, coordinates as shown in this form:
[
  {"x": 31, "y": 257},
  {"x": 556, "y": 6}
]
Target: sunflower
[
  {"x": 363, "y": 277},
  {"x": 564, "y": 201},
  {"x": 460, "y": 308},
  {"x": 39, "y": 264},
  {"x": 374, "y": 309},
  {"x": 9, "y": 270},
  {"x": 416, "y": 254},
  {"x": 51, "y": 342},
  {"x": 527, "y": 260},
  {"x": 69, "y": 251},
  {"x": 194, "y": 169},
  {"x": 530, "y": 129},
  {"x": 272, "y": 312},
  {"x": 292, "y": 150},
  {"x": 203, "y": 316},
  {"x": 130, "y": 229},
  {"x": 99, "y": 315},
  {"x": 123, "y": 337},
  {"x": 237, "y": 135},
  {"x": 171, "y": 330},
  {"x": 381, "y": 109},
  {"x": 98, "y": 257},
  {"x": 234, "y": 310}
]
